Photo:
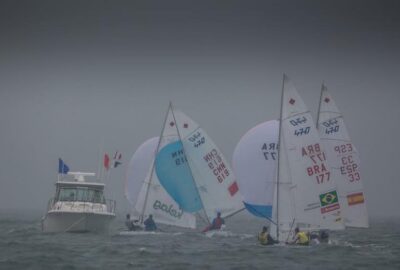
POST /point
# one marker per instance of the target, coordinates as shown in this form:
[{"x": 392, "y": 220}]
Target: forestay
[
  {"x": 254, "y": 163},
  {"x": 344, "y": 160},
  {"x": 306, "y": 192},
  {"x": 143, "y": 190}
]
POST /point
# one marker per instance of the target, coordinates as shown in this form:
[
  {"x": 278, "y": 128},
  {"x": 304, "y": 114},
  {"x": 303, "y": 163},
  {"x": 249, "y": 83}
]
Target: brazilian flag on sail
[
  {"x": 328, "y": 198},
  {"x": 329, "y": 201}
]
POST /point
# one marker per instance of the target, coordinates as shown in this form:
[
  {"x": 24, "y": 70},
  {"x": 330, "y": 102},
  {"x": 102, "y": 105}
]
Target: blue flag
[{"x": 62, "y": 167}]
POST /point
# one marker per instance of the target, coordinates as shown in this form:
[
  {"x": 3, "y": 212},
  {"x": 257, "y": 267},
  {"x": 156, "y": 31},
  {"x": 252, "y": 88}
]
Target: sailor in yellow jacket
[
  {"x": 265, "y": 238},
  {"x": 300, "y": 238}
]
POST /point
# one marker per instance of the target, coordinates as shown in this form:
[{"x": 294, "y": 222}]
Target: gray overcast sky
[{"x": 76, "y": 73}]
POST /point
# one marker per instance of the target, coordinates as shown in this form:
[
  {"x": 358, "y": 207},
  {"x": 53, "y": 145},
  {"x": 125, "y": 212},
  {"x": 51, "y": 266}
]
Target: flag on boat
[
  {"x": 62, "y": 167},
  {"x": 106, "y": 161},
  {"x": 117, "y": 159}
]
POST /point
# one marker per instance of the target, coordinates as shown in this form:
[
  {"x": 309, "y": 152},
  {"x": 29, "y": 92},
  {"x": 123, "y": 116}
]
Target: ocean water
[{"x": 24, "y": 246}]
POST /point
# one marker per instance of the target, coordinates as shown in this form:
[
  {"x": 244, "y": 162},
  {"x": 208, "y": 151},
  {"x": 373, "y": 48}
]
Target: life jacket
[
  {"x": 303, "y": 238},
  {"x": 263, "y": 238}
]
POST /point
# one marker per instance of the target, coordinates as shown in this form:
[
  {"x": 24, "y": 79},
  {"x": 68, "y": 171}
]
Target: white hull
[{"x": 63, "y": 221}]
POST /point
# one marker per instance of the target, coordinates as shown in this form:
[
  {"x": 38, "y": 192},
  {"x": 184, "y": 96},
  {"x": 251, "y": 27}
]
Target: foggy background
[{"x": 75, "y": 74}]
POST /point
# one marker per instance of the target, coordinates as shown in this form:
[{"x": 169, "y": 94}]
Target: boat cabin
[{"x": 78, "y": 191}]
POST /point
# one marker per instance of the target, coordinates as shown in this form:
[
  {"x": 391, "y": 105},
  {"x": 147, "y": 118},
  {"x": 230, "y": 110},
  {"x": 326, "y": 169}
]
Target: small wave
[
  {"x": 134, "y": 233},
  {"x": 217, "y": 233}
]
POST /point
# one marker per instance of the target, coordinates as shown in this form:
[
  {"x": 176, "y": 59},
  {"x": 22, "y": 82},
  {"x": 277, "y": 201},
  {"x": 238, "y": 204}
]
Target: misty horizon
[{"x": 76, "y": 76}]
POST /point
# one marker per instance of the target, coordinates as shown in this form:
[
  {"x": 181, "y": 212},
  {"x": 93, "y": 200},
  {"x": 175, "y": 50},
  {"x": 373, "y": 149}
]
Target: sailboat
[
  {"x": 283, "y": 174},
  {"x": 187, "y": 170},
  {"x": 305, "y": 192},
  {"x": 344, "y": 160}
]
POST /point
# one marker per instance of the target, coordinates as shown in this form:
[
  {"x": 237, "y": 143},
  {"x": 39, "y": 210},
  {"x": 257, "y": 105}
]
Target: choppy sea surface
[{"x": 24, "y": 246}]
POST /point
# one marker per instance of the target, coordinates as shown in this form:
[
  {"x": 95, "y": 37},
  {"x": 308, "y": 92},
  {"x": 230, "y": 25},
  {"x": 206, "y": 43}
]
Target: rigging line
[
  {"x": 153, "y": 165},
  {"x": 290, "y": 231},
  {"x": 234, "y": 213}
]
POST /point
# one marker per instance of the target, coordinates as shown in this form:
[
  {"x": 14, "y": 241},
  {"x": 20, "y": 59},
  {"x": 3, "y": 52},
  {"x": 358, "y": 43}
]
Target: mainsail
[
  {"x": 306, "y": 193},
  {"x": 193, "y": 170},
  {"x": 254, "y": 163},
  {"x": 144, "y": 192},
  {"x": 344, "y": 160}
]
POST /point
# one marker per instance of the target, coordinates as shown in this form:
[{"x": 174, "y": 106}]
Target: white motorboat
[{"x": 78, "y": 206}]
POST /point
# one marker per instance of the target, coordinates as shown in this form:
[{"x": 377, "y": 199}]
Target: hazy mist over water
[{"x": 75, "y": 75}]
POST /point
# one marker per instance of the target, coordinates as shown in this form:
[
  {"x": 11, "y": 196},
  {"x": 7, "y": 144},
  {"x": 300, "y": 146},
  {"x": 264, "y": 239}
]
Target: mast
[
  {"x": 320, "y": 100},
  {"x": 279, "y": 158},
  {"x": 152, "y": 167},
  {"x": 190, "y": 169}
]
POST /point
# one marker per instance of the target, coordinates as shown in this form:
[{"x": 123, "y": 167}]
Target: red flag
[{"x": 106, "y": 162}]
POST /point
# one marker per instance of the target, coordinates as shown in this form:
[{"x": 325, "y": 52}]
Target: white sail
[
  {"x": 306, "y": 192},
  {"x": 143, "y": 190},
  {"x": 138, "y": 168},
  {"x": 254, "y": 163},
  {"x": 193, "y": 171},
  {"x": 214, "y": 178},
  {"x": 344, "y": 160}
]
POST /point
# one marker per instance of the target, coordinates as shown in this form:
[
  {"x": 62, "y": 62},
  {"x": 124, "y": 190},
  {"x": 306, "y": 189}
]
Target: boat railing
[{"x": 50, "y": 204}]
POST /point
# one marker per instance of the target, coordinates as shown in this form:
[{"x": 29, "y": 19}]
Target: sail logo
[
  {"x": 168, "y": 209},
  {"x": 332, "y": 130},
  {"x": 197, "y": 139},
  {"x": 329, "y": 201},
  {"x": 298, "y": 121},
  {"x": 330, "y": 123},
  {"x": 302, "y": 131}
]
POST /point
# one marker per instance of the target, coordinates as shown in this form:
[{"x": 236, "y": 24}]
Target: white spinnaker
[
  {"x": 147, "y": 195},
  {"x": 214, "y": 178},
  {"x": 254, "y": 163},
  {"x": 344, "y": 160},
  {"x": 303, "y": 170},
  {"x": 138, "y": 168}
]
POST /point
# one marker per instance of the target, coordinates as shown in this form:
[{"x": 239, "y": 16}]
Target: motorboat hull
[{"x": 79, "y": 222}]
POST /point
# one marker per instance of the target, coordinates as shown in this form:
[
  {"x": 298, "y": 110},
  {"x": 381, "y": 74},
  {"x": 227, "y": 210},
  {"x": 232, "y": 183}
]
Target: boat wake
[
  {"x": 219, "y": 233},
  {"x": 133, "y": 233}
]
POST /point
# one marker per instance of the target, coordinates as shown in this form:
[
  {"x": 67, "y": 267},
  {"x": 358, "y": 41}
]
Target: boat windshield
[{"x": 83, "y": 194}]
